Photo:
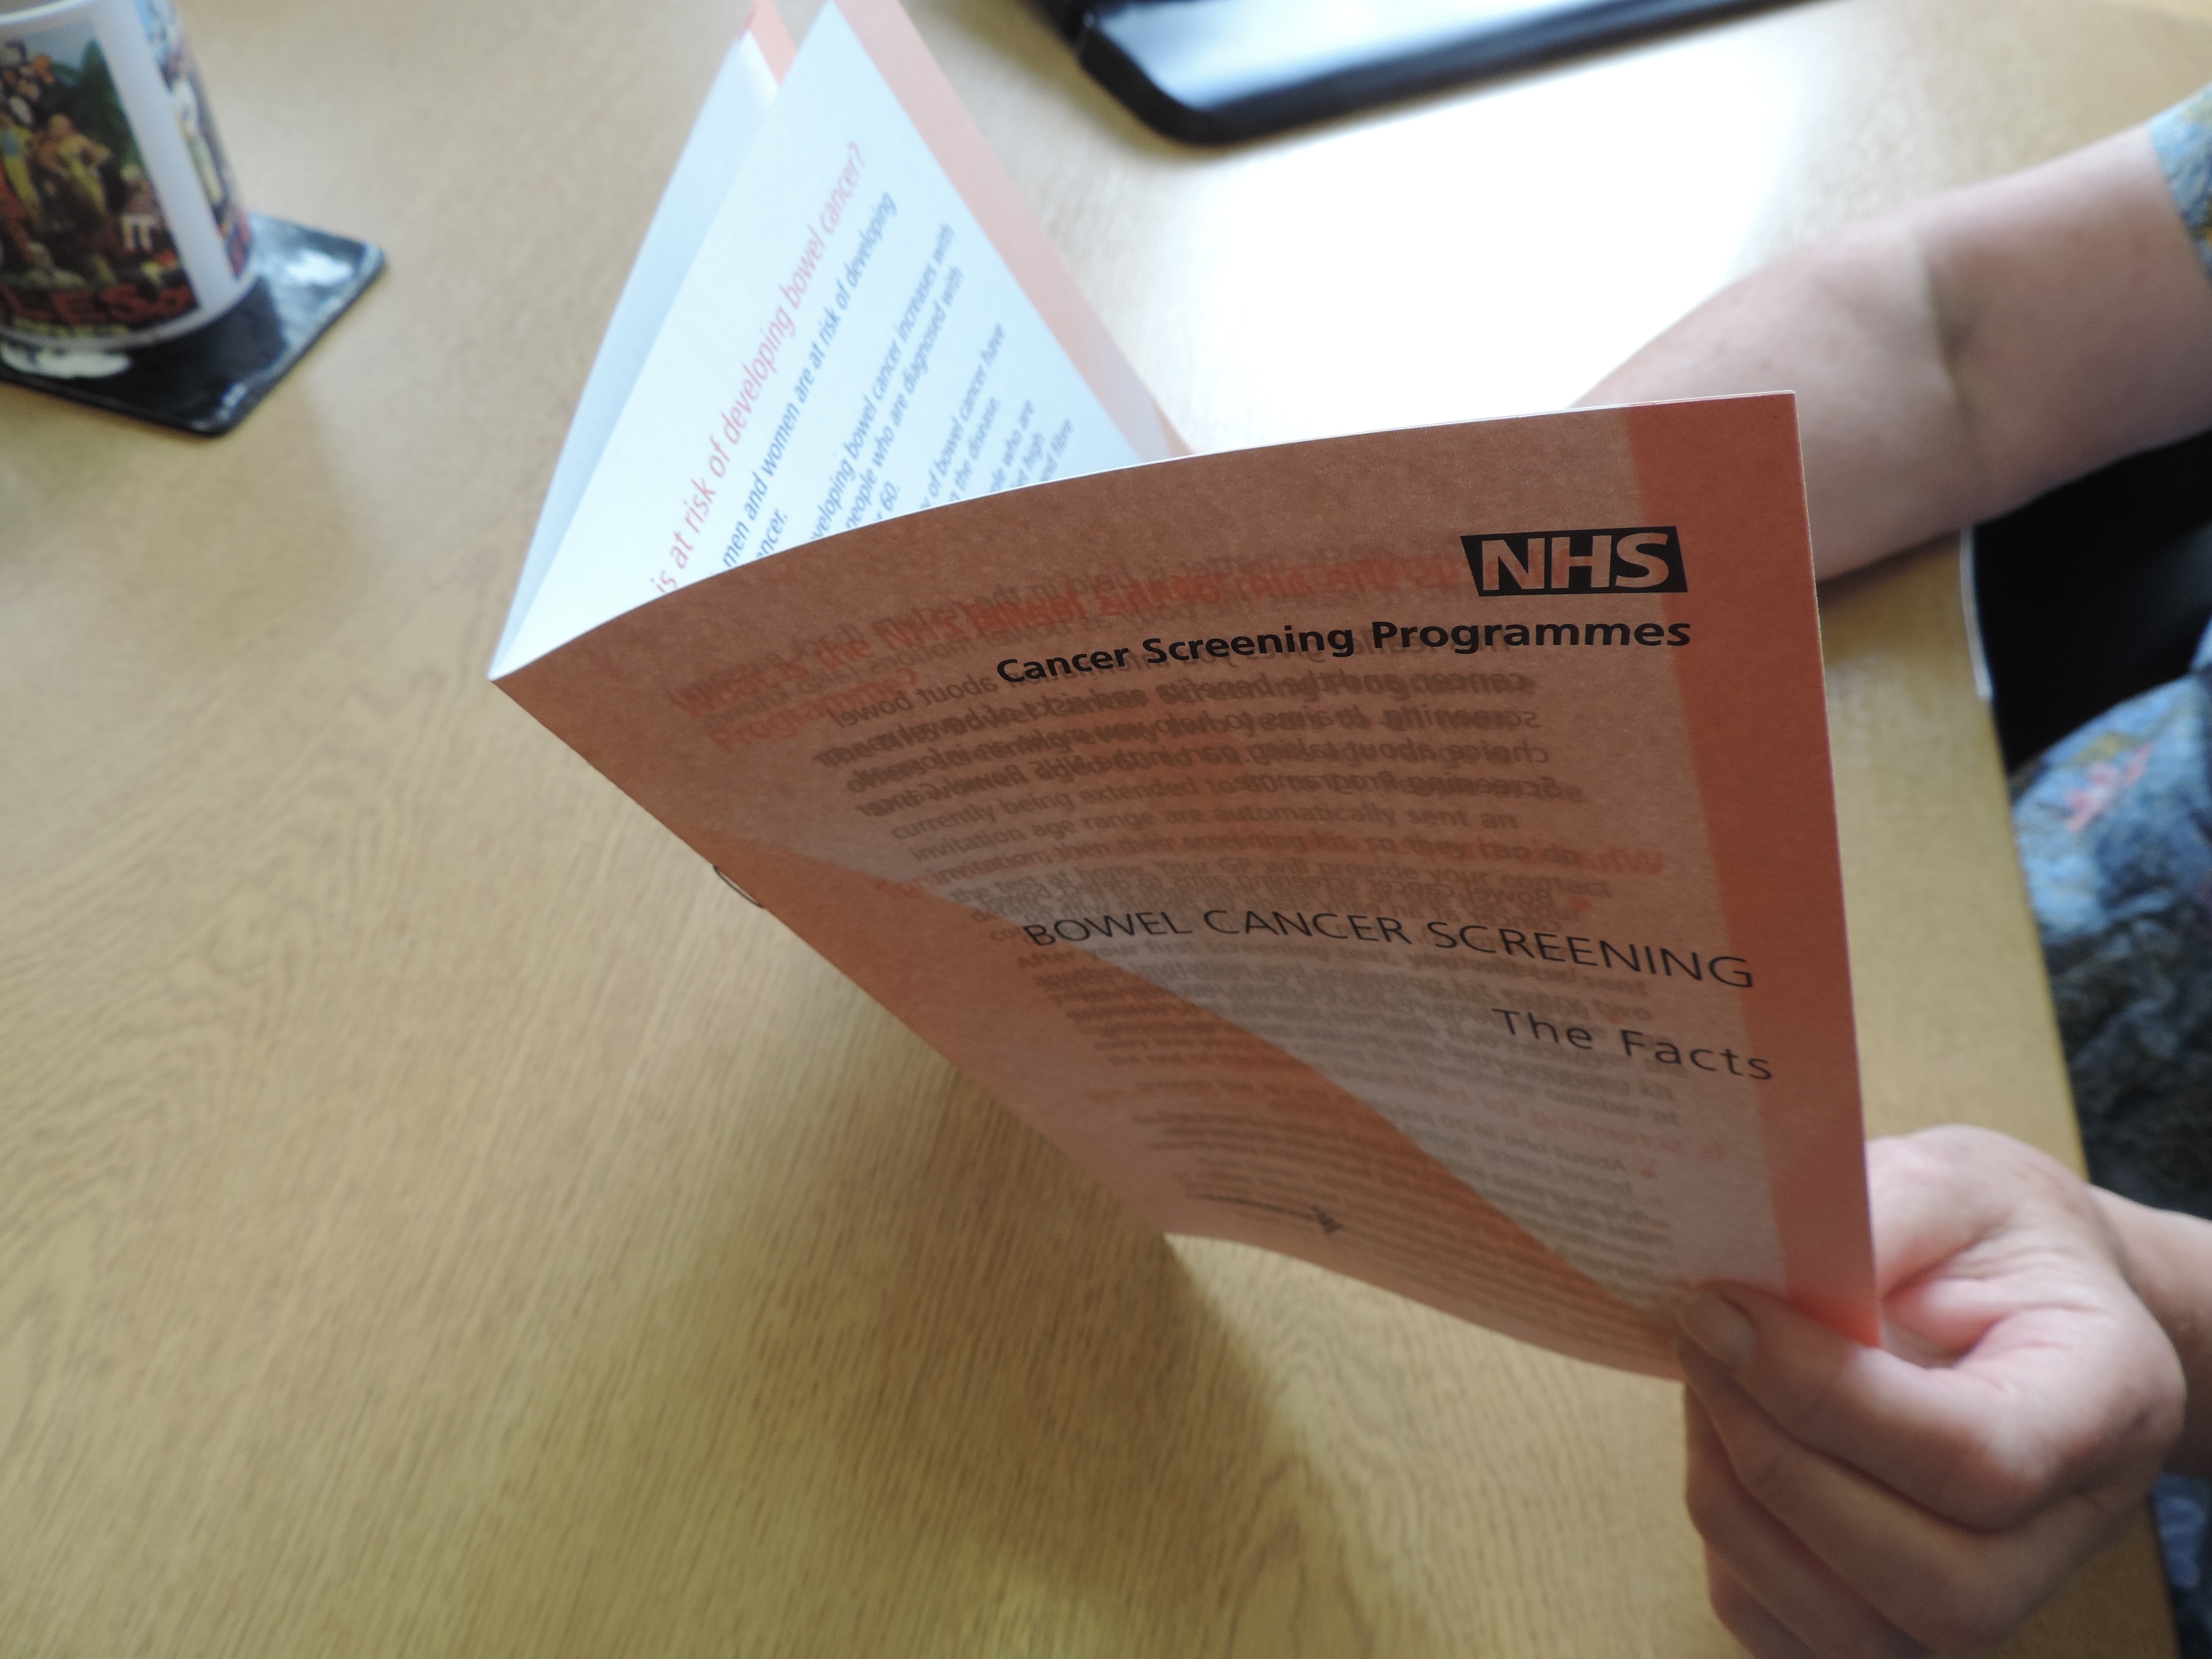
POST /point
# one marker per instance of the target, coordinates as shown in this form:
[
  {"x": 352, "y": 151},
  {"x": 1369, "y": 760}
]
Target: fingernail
[{"x": 1718, "y": 1326}]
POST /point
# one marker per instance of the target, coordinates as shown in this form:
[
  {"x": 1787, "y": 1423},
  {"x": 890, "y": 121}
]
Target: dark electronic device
[
  {"x": 1211, "y": 71},
  {"x": 2094, "y": 593}
]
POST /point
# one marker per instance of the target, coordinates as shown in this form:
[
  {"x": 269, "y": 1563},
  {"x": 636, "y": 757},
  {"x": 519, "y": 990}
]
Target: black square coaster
[{"x": 209, "y": 380}]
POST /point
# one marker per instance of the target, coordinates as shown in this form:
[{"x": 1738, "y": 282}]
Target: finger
[
  {"x": 1946, "y": 1585},
  {"x": 1921, "y": 1213},
  {"x": 1770, "y": 1571},
  {"x": 1933, "y": 1194},
  {"x": 1746, "y": 1617},
  {"x": 1948, "y": 1192},
  {"x": 2061, "y": 1401}
]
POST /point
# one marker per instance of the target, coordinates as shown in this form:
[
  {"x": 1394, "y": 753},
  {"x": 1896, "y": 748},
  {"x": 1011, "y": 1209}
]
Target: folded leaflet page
[
  {"x": 736, "y": 104},
  {"x": 1413, "y": 853},
  {"x": 848, "y": 345}
]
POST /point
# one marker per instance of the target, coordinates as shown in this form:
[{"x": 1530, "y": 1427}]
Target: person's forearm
[
  {"x": 2168, "y": 1258},
  {"x": 1956, "y": 358},
  {"x": 1847, "y": 325}
]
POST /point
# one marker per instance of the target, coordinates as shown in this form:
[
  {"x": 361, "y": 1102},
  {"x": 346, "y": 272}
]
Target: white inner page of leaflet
[
  {"x": 848, "y": 345},
  {"x": 729, "y": 119}
]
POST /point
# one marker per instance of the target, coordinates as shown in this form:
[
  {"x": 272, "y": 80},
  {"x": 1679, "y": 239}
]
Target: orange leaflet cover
[{"x": 1413, "y": 853}]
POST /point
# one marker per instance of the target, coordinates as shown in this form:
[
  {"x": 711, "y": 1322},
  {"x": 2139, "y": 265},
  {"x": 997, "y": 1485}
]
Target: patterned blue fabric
[
  {"x": 2183, "y": 137},
  {"x": 2181, "y": 1504},
  {"x": 2114, "y": 826}
]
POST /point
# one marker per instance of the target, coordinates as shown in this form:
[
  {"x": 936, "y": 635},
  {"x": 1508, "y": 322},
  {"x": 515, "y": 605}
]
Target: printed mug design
[
  {"x": 173, "y": 53},
  {"x": 92, "y": 249}
]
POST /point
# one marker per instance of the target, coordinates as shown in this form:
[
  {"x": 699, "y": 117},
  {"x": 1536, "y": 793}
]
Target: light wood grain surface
[{"x": 436, "y": 1217}]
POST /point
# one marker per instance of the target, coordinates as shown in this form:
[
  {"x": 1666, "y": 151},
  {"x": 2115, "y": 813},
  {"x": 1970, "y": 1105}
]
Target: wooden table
[{"x": 437, "y": 1218}]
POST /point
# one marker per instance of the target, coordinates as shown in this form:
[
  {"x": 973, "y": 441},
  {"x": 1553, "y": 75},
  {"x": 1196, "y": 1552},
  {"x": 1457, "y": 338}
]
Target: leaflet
[
  {"x": 1411, "y": 852},
  {"x": 847, "y": 343}
]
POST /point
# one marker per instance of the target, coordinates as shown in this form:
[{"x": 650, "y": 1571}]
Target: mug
[{"x": 120, "y": 221}]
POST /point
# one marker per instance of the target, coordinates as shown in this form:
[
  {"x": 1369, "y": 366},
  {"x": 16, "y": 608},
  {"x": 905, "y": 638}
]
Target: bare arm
[{"x": 1958, "y": 357}]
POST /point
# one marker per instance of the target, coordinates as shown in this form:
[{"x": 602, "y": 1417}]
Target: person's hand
[{"x": 1860, "y": 1502}]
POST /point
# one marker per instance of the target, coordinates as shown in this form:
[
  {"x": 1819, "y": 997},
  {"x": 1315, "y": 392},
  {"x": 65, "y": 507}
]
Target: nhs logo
[{"x": 1557, "y": 561}]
